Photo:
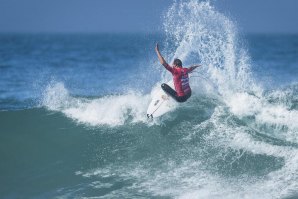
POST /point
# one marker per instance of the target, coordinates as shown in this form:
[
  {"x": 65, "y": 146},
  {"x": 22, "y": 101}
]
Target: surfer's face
[
  {"x": 176, "y": 66},
  {"x": 177, "y": 63}
]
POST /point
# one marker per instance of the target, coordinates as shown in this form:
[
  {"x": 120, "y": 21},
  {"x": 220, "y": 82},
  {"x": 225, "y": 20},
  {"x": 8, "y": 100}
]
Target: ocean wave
[
  {"x": 110, "y": 110},
  {"x": 232, "y": 139}
]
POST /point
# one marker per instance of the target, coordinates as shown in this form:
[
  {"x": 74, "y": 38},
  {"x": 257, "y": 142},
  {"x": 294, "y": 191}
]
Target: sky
[{"x": 251, "y": 16}]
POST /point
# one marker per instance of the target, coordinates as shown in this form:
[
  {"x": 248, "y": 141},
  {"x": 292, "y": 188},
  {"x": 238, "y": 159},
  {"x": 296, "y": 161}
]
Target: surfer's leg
[
  {"x": 169, "y": 90},
  {"x": 183, "y": 98}
]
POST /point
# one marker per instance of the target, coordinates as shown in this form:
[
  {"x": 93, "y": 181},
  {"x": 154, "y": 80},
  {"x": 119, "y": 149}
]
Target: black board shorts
[{"x": 173, "y": 93}]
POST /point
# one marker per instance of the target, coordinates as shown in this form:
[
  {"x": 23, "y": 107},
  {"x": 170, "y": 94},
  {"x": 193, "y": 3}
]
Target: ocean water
[{"x": 73, "y": 113}]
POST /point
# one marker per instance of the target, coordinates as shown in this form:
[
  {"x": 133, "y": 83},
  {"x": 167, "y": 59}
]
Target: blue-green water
[{"x": 73, "y": 113}]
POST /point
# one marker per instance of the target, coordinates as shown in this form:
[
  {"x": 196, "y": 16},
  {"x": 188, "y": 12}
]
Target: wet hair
[{"x": 178, "y": 62}]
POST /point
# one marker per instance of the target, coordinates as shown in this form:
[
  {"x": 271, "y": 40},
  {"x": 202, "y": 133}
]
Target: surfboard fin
[{"x": 149, "y": 116}]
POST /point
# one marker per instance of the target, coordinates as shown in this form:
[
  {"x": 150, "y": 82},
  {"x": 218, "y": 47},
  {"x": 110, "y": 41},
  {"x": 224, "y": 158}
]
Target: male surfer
[{"x": 180, "y": 76}]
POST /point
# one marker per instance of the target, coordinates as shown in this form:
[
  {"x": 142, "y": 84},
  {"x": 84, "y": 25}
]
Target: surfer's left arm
[{"x": 190, "y": 69}]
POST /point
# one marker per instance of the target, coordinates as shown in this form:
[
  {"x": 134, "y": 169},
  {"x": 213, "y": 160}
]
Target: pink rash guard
[{"x": 181, "y": 79}]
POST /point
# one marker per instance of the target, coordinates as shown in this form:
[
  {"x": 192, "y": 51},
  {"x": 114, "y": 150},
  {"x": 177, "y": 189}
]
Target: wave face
[{"x": 84, "y": 133}]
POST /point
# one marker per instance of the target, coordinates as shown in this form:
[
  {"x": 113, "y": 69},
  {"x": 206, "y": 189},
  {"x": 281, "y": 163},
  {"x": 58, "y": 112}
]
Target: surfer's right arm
[
  {"x": 162, "y": 60},
  {"x": 190, "y": 69}
]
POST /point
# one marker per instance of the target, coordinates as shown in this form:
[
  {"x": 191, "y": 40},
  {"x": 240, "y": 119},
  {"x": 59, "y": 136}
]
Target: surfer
[{"x": 180, "y": 76}]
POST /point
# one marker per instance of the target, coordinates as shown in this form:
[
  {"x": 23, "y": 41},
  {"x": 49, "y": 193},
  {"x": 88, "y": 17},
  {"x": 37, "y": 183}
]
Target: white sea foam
[
  {"x": 190, "y": 178},
  {"x": 108, "y": 110},
  {"x": 244, "y": 104},
  {"x": 225, "y": 135},
  {"x": 277, "y": 117}
]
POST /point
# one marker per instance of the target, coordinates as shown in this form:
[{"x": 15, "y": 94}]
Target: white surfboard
[{"x": 161, "y": 102}]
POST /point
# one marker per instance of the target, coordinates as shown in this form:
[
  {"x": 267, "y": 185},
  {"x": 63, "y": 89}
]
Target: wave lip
[
  {"x": 108, "y": 110},
  {"x": 270, "y": 116}
]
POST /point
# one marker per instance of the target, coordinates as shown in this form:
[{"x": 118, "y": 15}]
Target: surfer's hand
[
  {"x": 193, "y": 67},
  {"x": 157, "y": 47},
  {"x": 160, "y": 58},
  {"x": 196, "y": 66}
]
